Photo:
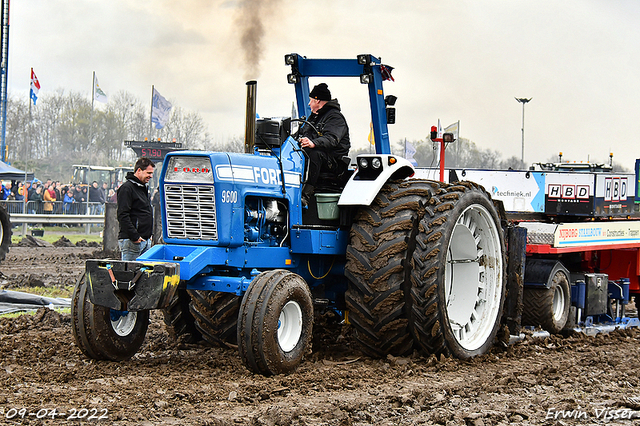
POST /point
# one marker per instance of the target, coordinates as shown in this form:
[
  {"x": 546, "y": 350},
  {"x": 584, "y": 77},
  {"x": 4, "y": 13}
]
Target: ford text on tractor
[{"x": 410, "y": 263}]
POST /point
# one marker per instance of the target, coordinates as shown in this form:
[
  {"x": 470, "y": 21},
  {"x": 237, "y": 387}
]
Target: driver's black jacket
[{"x": 332, "y": 134}]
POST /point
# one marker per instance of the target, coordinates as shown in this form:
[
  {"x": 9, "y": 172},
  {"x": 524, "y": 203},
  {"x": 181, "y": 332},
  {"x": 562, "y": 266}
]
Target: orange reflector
[
  {"x": 287, "y": 262},
  {"x": 392, "y": 160},
  {"x": 379, "y": 91}
]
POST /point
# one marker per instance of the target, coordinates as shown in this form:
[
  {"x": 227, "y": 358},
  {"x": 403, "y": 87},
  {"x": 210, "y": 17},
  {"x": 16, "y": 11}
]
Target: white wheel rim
[
  {"x": 558, "y": 302},
  {"x": 289, "y": 326},
  {"x": 473, "y": 278},
  {"x": 124, "y": 325}
]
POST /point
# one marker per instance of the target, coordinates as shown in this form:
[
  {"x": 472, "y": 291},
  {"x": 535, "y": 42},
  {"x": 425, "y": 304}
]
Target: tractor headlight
[
  {"x": 369, "y": 167},
  {"x": 189, "y": 169},
  {"x": 366, "y": 78}
]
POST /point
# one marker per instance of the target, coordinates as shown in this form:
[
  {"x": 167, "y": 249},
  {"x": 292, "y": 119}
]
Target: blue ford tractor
[{"x": 409, "y": 263}]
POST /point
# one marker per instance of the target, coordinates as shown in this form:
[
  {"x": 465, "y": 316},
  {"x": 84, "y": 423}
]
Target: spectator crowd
[{"x": 51, "y": 197}]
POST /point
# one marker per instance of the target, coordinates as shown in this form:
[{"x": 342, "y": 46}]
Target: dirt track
[{"x": 169, "y": 382}]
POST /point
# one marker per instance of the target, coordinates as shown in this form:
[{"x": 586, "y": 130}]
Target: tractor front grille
[{"x": 191, "y": 212}]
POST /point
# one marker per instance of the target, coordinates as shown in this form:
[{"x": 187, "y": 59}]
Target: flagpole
[
  {"x": 93, "y": 95},
  {"x": 93, "y": 90},
  {"x": 26, "y": 156},
  {"x": 151, "y": 114},
  {"x": 458, "y": 145}
]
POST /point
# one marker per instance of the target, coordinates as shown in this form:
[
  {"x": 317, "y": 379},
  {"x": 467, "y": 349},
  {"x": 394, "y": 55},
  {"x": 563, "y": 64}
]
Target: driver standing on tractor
[{"x": 325, "y": 138}]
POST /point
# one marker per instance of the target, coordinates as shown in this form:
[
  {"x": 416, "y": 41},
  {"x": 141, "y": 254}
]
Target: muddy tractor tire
[
  {"x": 216, "y": 316},
  {"x": 382, "y": 241},
  {"x": 103, "y": 333},
  {"x": 275, "y": 323},
  {"x": 5, "y": 232},
  {"x": 458, "y": 278},
  {"x": 546, "y": 306},
  {"x": 178, "y": 319}
]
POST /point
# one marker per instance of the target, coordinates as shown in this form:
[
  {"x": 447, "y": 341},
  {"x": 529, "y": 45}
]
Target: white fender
[{"x": 365, "y": 183}]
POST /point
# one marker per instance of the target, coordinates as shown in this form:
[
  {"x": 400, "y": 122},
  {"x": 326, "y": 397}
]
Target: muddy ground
[{"x": 587, "y": 380}]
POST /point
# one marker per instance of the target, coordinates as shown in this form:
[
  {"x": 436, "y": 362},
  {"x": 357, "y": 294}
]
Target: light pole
[{"x": 523, "y": 101}]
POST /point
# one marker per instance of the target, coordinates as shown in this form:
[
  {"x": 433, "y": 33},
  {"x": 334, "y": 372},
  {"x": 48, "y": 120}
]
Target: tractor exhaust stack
[{"x": 250, "y": 126}]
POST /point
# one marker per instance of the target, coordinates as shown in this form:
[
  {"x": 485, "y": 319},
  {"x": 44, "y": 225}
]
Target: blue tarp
[{"x": 8, "y": 172}]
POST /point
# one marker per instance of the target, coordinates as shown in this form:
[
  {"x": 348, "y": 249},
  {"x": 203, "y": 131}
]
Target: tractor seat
[{"x": 334, "y": 177}]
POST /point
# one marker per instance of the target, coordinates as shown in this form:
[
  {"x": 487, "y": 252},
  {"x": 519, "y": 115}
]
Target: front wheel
[
  {"x": 458, "y": 286},
  {"x": 275, "y": 323},
  {"x": 103, "y": 333}
]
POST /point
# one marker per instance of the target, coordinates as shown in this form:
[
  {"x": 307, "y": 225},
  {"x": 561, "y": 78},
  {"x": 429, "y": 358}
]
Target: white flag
[
  {"x": 453, "y": 128},
  {"x": 98, "y": 94},
  {"x": 409, "y": 152},
  {"x": 160, "y": 109}
]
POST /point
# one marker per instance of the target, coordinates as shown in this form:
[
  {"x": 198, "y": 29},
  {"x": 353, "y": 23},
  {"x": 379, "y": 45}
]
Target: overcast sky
[{"x": 454, "y": 60}]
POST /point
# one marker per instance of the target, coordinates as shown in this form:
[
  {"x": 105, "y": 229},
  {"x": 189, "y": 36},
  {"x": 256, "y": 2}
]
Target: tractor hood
[{"x": 202, "y": 193}]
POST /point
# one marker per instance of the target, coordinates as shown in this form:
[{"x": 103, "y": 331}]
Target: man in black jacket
[
  {"x": 134, "y": 211},
  {"x": 325, "y": 139},
  {"x": 95, "y": 200}
]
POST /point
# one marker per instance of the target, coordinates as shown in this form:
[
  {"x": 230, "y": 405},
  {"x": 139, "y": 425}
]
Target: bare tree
[
  {"x": 185, "y": 127},
  {"x": 63, "y": 129}
]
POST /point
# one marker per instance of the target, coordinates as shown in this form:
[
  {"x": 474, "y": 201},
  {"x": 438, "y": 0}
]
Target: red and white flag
[{"x": 35, "y": 87}]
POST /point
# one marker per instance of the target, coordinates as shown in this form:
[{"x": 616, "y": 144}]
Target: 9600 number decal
[{"x": 229, "y": 196}]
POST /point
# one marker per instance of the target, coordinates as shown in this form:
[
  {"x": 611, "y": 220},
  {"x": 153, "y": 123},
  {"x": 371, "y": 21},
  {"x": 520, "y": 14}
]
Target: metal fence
[
  {"x": 53, "y": 207},
  {"x": 54, "y": 213}
]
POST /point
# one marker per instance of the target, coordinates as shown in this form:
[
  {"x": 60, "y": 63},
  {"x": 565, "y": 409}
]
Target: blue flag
[{"x": 160, "y": 109}]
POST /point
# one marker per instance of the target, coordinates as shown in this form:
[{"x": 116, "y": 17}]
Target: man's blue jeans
[{"x": 130, "y": 250}]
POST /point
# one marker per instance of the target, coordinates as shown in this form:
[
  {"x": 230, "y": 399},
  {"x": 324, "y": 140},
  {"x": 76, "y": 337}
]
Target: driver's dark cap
[{"x": 321, "y": 92}]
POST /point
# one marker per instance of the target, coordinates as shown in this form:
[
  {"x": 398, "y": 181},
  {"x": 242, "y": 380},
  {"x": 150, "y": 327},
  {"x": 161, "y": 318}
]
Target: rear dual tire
[
  {"x": 427, "y": 270},
  {"x": 382, "y": 240},
  {"x": 458, "y": 279}
]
